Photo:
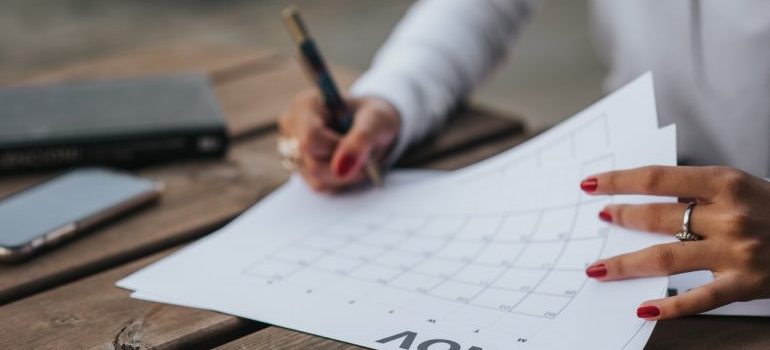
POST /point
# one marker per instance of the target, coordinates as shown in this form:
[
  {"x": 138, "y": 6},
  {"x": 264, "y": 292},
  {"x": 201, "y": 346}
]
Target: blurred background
[{"x": 551, "y": 74}]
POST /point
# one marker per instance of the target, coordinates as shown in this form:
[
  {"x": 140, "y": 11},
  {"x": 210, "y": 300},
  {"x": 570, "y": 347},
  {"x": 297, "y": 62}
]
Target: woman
[{"x": 712, "y": 78}]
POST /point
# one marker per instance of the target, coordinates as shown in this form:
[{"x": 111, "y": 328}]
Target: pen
[{"x": 318, "y": 73}]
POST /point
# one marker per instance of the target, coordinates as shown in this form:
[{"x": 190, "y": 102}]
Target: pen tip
[{"x": 373, "y": 171}]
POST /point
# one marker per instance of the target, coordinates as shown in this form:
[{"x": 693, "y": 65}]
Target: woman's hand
[
  {"x": 732, "y": 216},
  {"x": 330, "y": 161}
]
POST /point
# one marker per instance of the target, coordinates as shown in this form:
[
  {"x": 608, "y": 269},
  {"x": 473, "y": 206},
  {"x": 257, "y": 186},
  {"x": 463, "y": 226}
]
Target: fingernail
[
  {"x": 346, "y": 164},
  {"x": 597, "y": 270},
  {"x": 647, "y": 312},
  {"x": 589, "y": 185},
  {"x": 605, "y": 215}
]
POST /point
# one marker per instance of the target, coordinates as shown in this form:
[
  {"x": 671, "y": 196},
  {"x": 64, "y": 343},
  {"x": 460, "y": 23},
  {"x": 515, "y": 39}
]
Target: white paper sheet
[{"x": 488, "y": 257}]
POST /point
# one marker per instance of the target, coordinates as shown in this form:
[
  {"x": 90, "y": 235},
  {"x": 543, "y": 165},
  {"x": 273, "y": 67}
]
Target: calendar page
[{"x": 488, "y": 257}]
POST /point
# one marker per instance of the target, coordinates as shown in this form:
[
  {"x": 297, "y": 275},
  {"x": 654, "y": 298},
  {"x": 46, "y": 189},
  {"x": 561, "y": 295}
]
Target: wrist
[{"x": 388, "y": 121}]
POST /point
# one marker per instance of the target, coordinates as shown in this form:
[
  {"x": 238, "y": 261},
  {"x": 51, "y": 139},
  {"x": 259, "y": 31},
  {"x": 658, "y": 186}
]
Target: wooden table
[{"x": 67, "y": 299}]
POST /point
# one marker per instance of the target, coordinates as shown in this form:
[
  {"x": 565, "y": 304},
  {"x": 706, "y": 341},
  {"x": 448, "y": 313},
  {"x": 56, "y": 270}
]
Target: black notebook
[{"x": 121, "y": 122}]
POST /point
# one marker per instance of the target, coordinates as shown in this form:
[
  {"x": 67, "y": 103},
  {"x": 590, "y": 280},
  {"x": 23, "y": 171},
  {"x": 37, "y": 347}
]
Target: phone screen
[{"x": 65, "y": 200}]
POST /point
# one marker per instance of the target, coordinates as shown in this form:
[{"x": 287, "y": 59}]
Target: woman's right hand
[{"x": 330, "y": 161}]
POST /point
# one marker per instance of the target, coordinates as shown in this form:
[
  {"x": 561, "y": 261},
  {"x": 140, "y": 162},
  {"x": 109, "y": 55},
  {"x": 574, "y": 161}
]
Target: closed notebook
[{"x": 118, "y": 122}]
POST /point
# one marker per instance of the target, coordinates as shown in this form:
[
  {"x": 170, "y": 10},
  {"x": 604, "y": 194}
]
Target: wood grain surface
[{"x": 94, "y": 314}]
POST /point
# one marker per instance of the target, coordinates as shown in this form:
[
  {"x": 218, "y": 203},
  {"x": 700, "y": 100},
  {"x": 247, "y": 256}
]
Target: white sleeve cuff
[{"x": 398, "y": 93}]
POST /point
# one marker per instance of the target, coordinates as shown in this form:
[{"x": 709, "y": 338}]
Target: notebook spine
[{"x": 130, "y": 152}]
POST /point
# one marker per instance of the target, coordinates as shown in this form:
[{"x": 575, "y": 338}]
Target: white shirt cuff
[{"x": 398, "y": 93}]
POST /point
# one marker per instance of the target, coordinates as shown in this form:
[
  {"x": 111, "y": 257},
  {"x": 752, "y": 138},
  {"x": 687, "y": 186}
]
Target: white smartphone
[{"x": 48, "y": 213}]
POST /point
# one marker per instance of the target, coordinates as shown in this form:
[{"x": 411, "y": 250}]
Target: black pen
[{"x": 316, "y": 70}]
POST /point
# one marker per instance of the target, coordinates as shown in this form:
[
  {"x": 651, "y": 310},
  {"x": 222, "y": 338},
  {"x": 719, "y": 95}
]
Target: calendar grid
[{"x": 459, "y": 251}]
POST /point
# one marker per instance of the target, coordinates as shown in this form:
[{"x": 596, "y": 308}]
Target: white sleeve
[{"x": 439, "y": 52}]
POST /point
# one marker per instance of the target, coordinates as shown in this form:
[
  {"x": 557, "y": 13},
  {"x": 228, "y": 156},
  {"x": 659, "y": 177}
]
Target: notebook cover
[{"x": 120, "y": 122}]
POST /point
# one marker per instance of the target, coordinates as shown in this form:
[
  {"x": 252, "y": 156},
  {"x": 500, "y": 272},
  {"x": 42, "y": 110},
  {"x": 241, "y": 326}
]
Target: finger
[
  {"x": 319, "y": 143},
  {"x": 660, "y": 217},
  {"x": 712, "y": 295},
  {"x": 681, "y": 181},
  {"x": 658, "y": 260},
  {"x": 314, "y": 137},
  {"x": 319, "y": 175},
  {"x": 305, "y": 104},
  {"x": 306, "y": 121},
  {"x": 313, "y": 182},
  {"x": 355, "y": 148}
]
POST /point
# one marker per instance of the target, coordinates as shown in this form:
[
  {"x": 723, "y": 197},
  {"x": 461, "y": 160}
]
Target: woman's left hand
[{"x": 732, "y": 217}]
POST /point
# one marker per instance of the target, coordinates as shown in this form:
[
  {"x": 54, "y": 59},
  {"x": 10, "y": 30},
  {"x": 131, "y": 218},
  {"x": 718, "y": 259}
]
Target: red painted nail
[
  {"x": 589, "y": 185},
  {"x": 647, "y": 312},
  {"x": 605, "y": 215},
  {"x": 597, "y": 270},
  {"x": 345, "y": 165}
]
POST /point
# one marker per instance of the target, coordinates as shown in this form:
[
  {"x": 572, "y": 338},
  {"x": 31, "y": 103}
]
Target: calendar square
[
  {"x": 518, "y": 227},
  {"x": 556, "y": 224},
  {"x": 500, "y": 253},
  {"x": 539, "y": 305},
  {"x": 440, "y": 267},
  {"x": 457, "y": 291},
  {"x": 480, "y": 227},
  {"x": 442, "y": 226},
  {"x": 499, "y": 299},
  {"x": 520, "y": 279},
  {"x": 579, "y": 254},
  {"x": 483, "y": 275},
  {"x": 540, "y": 255},
  {"x": 564, "y": 283}
]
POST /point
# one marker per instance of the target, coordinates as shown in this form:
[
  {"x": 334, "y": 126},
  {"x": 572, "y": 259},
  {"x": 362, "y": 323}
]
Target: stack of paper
[{"x": 488, "y": 257}]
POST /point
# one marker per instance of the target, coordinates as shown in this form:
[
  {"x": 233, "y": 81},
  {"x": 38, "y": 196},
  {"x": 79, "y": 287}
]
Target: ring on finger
[
  {"x": 686, "y": 234},
  {"x": 288, "y": 149}
]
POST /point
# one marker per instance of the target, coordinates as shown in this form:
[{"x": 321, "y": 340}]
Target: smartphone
[{"x": 48, "y": 213}]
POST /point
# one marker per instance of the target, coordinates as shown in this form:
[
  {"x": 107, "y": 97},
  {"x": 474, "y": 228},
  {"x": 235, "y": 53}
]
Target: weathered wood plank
[
  {"x": 94, "y": 314},
  {"x": 151, "y": 61},
  {"x": 468, "y": 127},
  {"x": 468, "y": 156},
  {"x": 200, "y": 195}
]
